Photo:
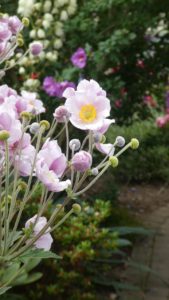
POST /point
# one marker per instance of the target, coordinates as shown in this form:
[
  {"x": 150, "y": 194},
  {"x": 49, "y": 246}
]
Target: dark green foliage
[{"x": 151, "y": 160}]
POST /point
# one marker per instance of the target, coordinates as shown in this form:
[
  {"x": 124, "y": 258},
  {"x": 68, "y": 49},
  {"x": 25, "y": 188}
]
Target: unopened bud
[
  {"x": 120, "y": 141},
  {"x": 94, "y": 171},
  {"x": 4, "y": 135},
  {"x": 34, "y": 128},
  {"x": 134, "y": 143},
  {"x": 26, "y": 115},
  {"x": 22, "y": 185},
  {"x": 76, "y": 208},
  {"x": 74, "y": 144},
  {"x": 114, "y": 161},
  {"x": 20, "y": 42},
  {"x": 45, "y": 124},
  {"x": 25, "y": 22},
  {"x": 36, "y": 48}
]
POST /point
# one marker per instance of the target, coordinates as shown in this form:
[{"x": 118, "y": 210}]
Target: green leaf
[
  {"x": 10, "y": 271},
  {"x": 31, "y": 263},
  {"x": 4, "y": 289},
  {"x": 124, "y": 230},
  {"x": 32, "y": 278},
  {"x": 39, "y": 253}
]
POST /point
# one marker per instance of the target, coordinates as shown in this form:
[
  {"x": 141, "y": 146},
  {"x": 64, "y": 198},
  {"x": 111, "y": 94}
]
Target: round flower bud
[
  {"x": 25, "y": 22},
  {"x": 34, "y": 128},
  {"x": 20, "y": 42},
  {"x": 36, "y": 48},
  {"x": 134, "y": 143},
  {"x": 61, "y": 113},
  {"x": 97, "y": 137},
  {"x": 22, "y": 186},
  {"x": 74, "y": 144},
  {"x": 114, "y": 161},
  {"x": 4, "y": 135},
  {"x": 120, "y": 141},
  {"x": 94, "y": 171},
  {"x": 82, "y": 161},
  {"x": 45, "y": 124},
  {"x": 25, "y": 115},
  {"x": 76, "y": 208}
]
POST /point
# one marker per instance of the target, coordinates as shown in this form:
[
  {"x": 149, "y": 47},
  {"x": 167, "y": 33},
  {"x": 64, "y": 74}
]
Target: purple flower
[
  {"x": 82, "y": 161},
  {"x": 79, "y": 58},
  {"x": 49, "y": 85},
  {"x": 54, "y": 88}
]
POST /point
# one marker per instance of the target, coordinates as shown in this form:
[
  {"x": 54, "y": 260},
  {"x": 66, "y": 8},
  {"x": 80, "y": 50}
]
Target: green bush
[
  {"x": 92, "y": 253},
  {"x": 151, "y": 160}
]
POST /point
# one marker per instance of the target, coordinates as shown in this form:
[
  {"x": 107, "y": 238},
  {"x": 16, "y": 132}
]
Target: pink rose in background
[
  {"x": 79, "y": 58},
  {"x": 162, "y": 121}
]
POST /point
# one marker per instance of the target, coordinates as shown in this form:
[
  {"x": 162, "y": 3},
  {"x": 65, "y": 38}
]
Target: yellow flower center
[{"x": 87, "y": 113}]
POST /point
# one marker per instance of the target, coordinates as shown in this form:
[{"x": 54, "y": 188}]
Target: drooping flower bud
[
  {"x": 4, "y": 135},
  {"x": 36, "y": 48},
  {"x": 45, "y": 124},
  {"x": 120, "y": 141},
  {"x": 61, "y": 113},
  {"x": 74, "y": 144},
  {"x": 82, "y": 161}
]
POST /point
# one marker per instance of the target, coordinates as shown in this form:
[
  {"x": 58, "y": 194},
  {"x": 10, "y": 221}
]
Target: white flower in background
[
  {"x": 25, "y": 7},
  {"x": 47, "y": 6},
  {"x": 63, "y": 15},
  {"x": 41, "y": 33},
  {"x": 32, "y": 34},
  {"x": 58, "y": 43}
]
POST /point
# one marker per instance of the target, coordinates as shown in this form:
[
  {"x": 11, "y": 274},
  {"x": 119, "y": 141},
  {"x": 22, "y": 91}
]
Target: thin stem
[{"x": 6, "y": 227}]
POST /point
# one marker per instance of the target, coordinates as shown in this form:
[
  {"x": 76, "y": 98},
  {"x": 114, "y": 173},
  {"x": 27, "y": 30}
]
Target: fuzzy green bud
[
  {"x": 45, "y": 124},
  {"x": 22, "y": 186},
  {"x": 25, "y": 22},
  {"x": 26, "y": 115},
  {"x": 76, "y": 208},
  {"x": 134, "y": 144},
  {"x": 20, "y": 42},
  {"x": 114, "y": 161},
  {"x": 4, "y": 135}
]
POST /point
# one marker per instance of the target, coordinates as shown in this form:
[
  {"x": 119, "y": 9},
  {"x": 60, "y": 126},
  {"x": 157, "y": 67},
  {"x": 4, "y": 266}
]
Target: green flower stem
[
  {"x": 25, "y": 198},
  {"x": 107, "y": 165},
  {"x": 67, "y": 139},
  {"x": 0, "y": 215},
  {"x": 6, "y": 225},
  {"x": 62, "y": 220}
]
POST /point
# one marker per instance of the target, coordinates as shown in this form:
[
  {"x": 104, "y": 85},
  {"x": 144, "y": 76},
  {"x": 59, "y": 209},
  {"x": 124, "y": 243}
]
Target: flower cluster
[
  {"x": 28, "y": 150},
  {"x": 48, "y": 18}
]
